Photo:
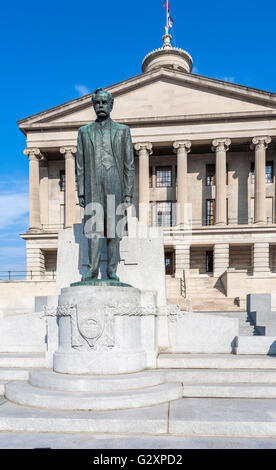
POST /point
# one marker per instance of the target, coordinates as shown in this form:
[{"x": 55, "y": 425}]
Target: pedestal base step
[
  {"x": 47, "y": 379},
  {"x": 23, "y": 393}
]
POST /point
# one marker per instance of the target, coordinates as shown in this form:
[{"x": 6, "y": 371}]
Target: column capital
[
  {"x": 260, "y": 142},
  {"x": 182, "y": 145},
  {"x": 33, "y": 153},
  {"x": 221, "y": 144},
  {"x": 68, "y": 152},
  {"x": 143, "y": 146}
]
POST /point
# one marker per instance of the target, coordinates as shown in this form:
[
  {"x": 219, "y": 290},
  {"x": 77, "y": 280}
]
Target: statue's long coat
[{"x": 88, "y": 166}]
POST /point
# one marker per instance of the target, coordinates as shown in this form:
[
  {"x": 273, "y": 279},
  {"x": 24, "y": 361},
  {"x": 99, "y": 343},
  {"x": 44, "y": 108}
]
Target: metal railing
[
  {"x": 212, "y": 223},
  {"x": 183, "y": 288},
  {"x": 26, "y": 275}
]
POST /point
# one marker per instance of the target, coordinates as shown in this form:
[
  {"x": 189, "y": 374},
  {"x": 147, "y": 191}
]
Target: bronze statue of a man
[{"x": 105, "y": 167}]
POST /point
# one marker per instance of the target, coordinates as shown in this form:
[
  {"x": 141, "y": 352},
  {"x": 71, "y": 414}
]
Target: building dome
[{"x": 169, "y": 57}]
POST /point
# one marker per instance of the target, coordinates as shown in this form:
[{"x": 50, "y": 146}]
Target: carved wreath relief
[{"x": 89, "y": 330}]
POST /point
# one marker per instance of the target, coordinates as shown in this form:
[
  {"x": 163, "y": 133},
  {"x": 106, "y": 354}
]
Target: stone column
[
  {"x": 44, "y": 193},
  {"x": 182, "y": 148},
  {"x": 260, "y": 257},
  {"x": 70, "y": 185},
  {"x": 220, "y": 146},
  {"x": 260, "y": 144},
  {"x": 221, "y": 258},
  {"x": 144, "y": 150},
  {"x": 34, "y": 157}
]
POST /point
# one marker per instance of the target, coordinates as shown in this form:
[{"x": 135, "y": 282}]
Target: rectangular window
[
  {"x": 252, "y": 171},
  {"x": 163, "y": 176},
  {"x": 210, "y": 211},
  {"x": 268, "y": 172},
  {"x": 62, "y": 180},
  {"x": 150, "y": 176},
  {"x": 164, "y": 213},
  {"x": 210, "y": 175}
]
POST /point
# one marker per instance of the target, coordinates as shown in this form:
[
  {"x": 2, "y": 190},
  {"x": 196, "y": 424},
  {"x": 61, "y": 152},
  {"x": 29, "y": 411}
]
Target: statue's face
[{"x": 102, "y": 105}]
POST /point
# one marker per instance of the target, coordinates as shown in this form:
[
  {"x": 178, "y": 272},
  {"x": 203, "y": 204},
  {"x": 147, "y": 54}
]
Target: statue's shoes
[
  {"x": 89, "y": 276},
  {"x": 113, "y": 277}
]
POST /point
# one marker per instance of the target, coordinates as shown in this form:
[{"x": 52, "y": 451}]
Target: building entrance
[
  {"x": 169, "y": 263},
  {"x": 209, "y": 261}
]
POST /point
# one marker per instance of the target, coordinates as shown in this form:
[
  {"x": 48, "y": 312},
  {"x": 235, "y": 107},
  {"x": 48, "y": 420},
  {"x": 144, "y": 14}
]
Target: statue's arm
[
  {"x": 129, "y": 168},
  {"x": 80, "y": 169}
]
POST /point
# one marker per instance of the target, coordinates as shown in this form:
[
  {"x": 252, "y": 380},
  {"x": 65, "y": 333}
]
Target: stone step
[
  {"x": 229, "y": 390},
  {"x": 221, "y": 376},
  {"x": 215, "y": 306},
  {"x": 255, "y": 345},
  {"x": 23, "y": 360},
  {"x": 232, "y": 314},
  {"x": 22, "y": 393},
  {"x": 149, "y": 420},
  {"x": 8, "y": 374},
  {"x": 215, "y": 361},
  {"x": 223, "y": 417},
  {"x": 47, "y": 379}
]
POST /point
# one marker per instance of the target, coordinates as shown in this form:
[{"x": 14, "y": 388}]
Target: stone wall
[
  {"x": 240, "y": 256},
  {"x": 18, "y": 296}
]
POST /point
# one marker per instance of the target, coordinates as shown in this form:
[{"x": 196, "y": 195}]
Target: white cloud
[
  {"x": 14, "y": 208},
  {"x": 82, "y": 90},
  {"x": 228, "y": 79}
]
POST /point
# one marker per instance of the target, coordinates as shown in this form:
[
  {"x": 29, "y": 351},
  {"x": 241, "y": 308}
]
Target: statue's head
[{"x": 102, "y": 102}]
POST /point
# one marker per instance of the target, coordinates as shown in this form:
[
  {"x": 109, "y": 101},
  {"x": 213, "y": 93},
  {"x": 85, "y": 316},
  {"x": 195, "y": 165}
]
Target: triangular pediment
[{"x": 163, "y": 94}]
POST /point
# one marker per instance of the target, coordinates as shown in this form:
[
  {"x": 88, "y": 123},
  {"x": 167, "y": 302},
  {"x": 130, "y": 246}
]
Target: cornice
[
  {"x": 159, "y": 120},
  {"x": 196, "y": 81}
]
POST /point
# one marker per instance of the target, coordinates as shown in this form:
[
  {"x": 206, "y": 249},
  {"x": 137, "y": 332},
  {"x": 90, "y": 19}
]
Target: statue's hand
[
  {"x": 81, "y": 201},
  {"x": 127, "y": 201}
]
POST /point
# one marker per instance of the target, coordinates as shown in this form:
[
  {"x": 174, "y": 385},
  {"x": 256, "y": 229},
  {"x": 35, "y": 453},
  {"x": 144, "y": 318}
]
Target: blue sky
[{"x": 55, "y": 51}]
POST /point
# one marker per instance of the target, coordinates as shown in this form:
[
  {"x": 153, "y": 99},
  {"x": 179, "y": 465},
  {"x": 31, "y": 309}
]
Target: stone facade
[{"x": 208, "y": 145}]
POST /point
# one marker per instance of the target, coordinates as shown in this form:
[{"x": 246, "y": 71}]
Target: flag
[{"x": 170, "y": 21}]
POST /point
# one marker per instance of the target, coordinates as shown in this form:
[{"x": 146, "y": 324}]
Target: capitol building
[{"x": 205, "y": 144}]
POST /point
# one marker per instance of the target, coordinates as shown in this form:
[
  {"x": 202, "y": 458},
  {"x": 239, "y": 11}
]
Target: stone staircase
[
  {"x": 221, "y": 375},
  {"x": 216, "y": 396},
  {"x": 203, "y": 294}
]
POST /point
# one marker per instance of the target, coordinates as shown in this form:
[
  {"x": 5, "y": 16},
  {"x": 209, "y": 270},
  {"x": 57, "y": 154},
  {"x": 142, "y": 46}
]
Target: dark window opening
[
  {"x": 169, "y": 263},
  {"x": 209, "y": 261},
  {"x": 210, "y": 175}
]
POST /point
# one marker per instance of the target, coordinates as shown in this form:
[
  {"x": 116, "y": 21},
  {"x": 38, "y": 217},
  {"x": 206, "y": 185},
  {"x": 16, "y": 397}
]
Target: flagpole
[{"x": 167, "y": 12}]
